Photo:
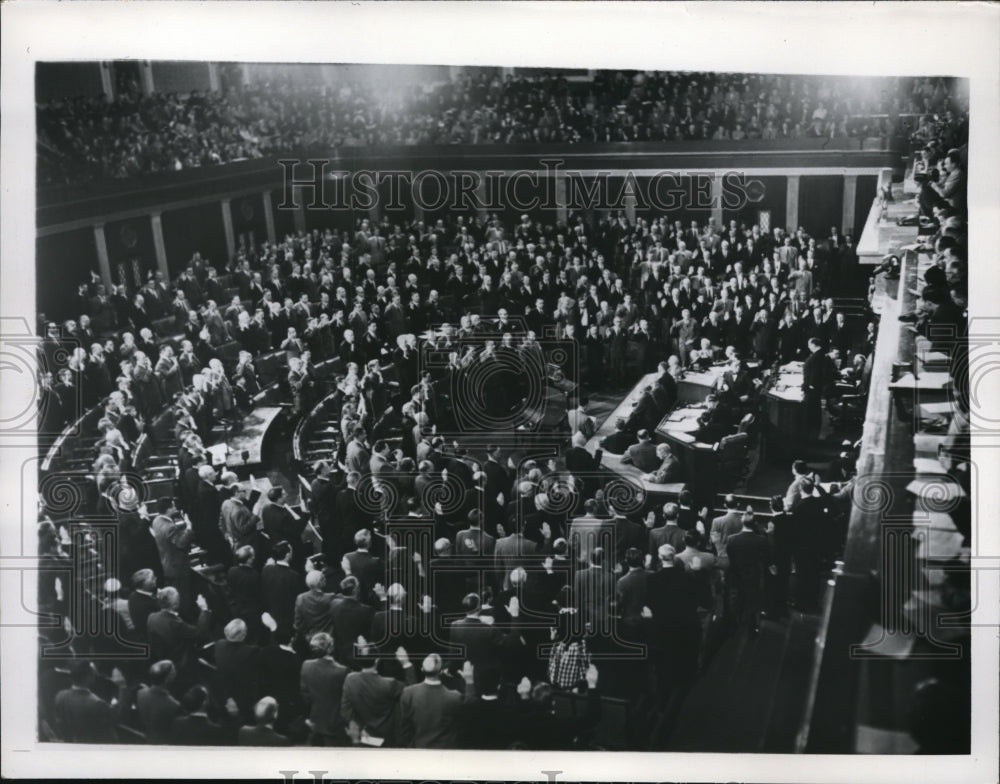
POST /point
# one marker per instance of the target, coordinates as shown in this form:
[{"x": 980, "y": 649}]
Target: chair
[{"x": 733, "y": 452}]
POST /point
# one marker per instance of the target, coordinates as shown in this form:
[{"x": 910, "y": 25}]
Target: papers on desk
[
  {"x": 933, "y": 360},
  {"x": 791, "y": 367},
  {"x": 937, "y": 520},
  {"x": 794, "y": 394},
  {"x": 926, "y": 444},
  {"x": 219, "y": 453},
  {"x": 940, "y": 544},
  {"x": 933, "y": 410},
  {"x": 684, "y": 437},
  {"x": 938, "y": 490},
  {"x": 925, "y": 465},
  {"x": 927, "y": 381}
]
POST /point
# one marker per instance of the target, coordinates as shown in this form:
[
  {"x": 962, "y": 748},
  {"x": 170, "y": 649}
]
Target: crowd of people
[
  {"x": 85, "y": 138},
  {"x": 434, "y": 595}
]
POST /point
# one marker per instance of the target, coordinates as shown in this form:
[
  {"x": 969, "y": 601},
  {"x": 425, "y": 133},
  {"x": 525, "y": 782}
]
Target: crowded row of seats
[{"x": 85, "y": 138}]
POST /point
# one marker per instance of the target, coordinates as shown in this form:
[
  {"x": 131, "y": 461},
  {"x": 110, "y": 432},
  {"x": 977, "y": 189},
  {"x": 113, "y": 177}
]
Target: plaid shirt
[{"x": 568, "y": 663}]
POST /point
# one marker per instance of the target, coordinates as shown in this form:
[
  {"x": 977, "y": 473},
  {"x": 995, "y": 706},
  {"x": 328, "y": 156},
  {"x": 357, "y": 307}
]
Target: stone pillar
[
  {"x": 850, "y": 203},
  {"x": 716, "y": 214},
  {"x": 156, "y": 224},
  {"x": 227, "y": 225},
  {"x": 213, "y": 77},
  {"x": 453, "y": 72},
  {"x": 562, "y": 200},
  {"x": 300, "y": 209},
  {"x": 269, "y": 217},
  {"x": 245, "y": 71},
  {"x": 146, "y": 77},
  {"x": 103, "y": 262},
  {"x": 107, "y": 83},
  {"x": 792, "y": 204}
]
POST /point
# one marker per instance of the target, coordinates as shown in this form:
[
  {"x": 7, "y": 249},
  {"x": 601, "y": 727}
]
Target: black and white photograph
[{"x": 538, "y": 411}]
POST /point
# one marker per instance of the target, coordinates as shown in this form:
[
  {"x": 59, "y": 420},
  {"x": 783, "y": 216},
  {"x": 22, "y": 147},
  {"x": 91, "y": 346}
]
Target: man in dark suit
[
  {"x": 647, "y": 414},
  {"x": 363, "y": 565},
  {"x": 724, "y": 527},
  {"x": 170, "y": 637},
  {"x": 497, "y": 487},
  {"x": 583, "y": 465},
  {"x": 630, "y": 591},
  {"x": 351, "y": 618},
  {"x": 80, "y": 716},
  {"x": 486, "y": 722},
  {"x": 280, "y": 586},
  {"x": 669, "y": 470},
  {"x": 749, "y": 559},
  {"x": 348, "y": 517},
  {"x": 428, "y": 711},
  {"x": 196, "y": 729},
  {"x": 205, "y": 520},
  {"x": 155, "y": 705},
  {"x": 643, "y": 455},
  {"x": 818, "y": 373},
  {"x": 474, "y": 541},
  {"x": 483, "y": 644},
  {"x": 594, "y": 591},
  {"x": 669, "y": 533},
  {"x": 674, "y": 627},
  {"x": 263, "y": 733},
  {"x": 618, "y": 442},
  {"x": 322, "y": 684},
  {"x": 243, "y": 581},
  {"x": 238, "y": 667}
]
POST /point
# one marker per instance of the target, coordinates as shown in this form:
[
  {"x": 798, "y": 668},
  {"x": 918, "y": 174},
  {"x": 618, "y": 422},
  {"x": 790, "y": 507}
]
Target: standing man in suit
[
  {"x": 206, "y": 518},
  {"x": 170, "y": 637},
  {"x": 594, "y": 591},
  {"x": 474, "y": 541},
  {"x": 280, "y": 585},
  {"x": 351, "y": 618},
  {"x": 818, "y": 373},
  {"x": 142, "y": 601},
  {"x": 749, "y": 559},
  {"x": 173, "y": 537},
  {"x": 238, "y": 666},
  {"x": 195, "y": 728},
  {"x": 322, "y": 683},
  {"x": 723, "y": 527},
  {"x": 429, "y": 711},
  {"x": 155, "y": 705},
  {"x": 262, "y": 733},
  {"x": 81, "y": 716},
  {"x": 496, "y": 490},
  {"x": 670, "y": 533},
  {"x": 630, "y": 592}
]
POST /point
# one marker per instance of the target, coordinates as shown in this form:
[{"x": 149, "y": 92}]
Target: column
[
  {"x": 717, "y": 200},
  {"x": 245, "y": 71},
  {"x": 505, "y": 72},
  {"x": 227, "y": 225},
  {"x": 269, "y": 217},
  {"x": 146, "y": 77},
  {"x": 562, "y": 201},
  {"x": 107, "y": 83},
  {"x": 213, "y": 77},
  {"x": 300, "y": 209},
  {"x": 156, "y": 223},
  {"x": 453, "y": 72},
  {"x": 630, "y": 202},
  {"x": 850, "y": 202},
  {"x": 792, "y": 203},
  {"x": 103, "y": 262},
  {"x": 482, "y": 197}
]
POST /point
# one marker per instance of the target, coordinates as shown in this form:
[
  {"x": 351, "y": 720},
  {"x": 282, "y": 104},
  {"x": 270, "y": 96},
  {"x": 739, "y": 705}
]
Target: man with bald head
[
  {"x": 238, "y": 666},
  {"x": 429, "y": 710}
]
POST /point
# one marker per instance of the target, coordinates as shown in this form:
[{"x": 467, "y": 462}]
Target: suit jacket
[
  {"x": 618, "y": 442},
  {"x": 642, "y": 456},
  {"x": 196, "y": 729},
  {"x": 513, "y": 551},
  {"x": 261, "y": 736},
  {"x": 594, "y": 591},
  {"x": 280, "y": 585},
  {"x": 350, "y": 618},
  {"x": 631, "y": 593},
  {"x": 140, "y": 607},
  {"x": 83, "y": 717},
  {"x": 669, "y": 471},
  {"x": 428, "y": 716},
  {"x": 749, "y": 556},
  {"x": 724, "y": 527},
  {"x": 486, "y": 724},
  {"x": 157, "y": 709},
  {"x": 484, "y": 544},
  {"x": 322, "y": 684},
  {"x": 173, "y": 541},
  {"x": 372, "y": 700},
  {"x": 238, "y": 672},
  {"x": 666, "y": 534},
  {"x": 170, "y": 637}
]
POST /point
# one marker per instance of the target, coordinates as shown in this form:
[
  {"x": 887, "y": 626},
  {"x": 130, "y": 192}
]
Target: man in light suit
[
  {"x": 474, "y": 541},
  {"x": 724, "y": 527},
  {"x": 580, "y": 421},
  {"x": 670, "y": 533},
  {"x": 594, "y": 590},
  {"x": 428, "y": 710},
  {"x": 512, "y": 551}
]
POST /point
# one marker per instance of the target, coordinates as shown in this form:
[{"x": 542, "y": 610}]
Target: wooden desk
[
  {"x": 656, "y": 494},
  {"x": 699, "y": 461},
  {"x": 253, "y": 430},
  {"x": 695, "y": 386},
  {"x": 785, "y": 414}
]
